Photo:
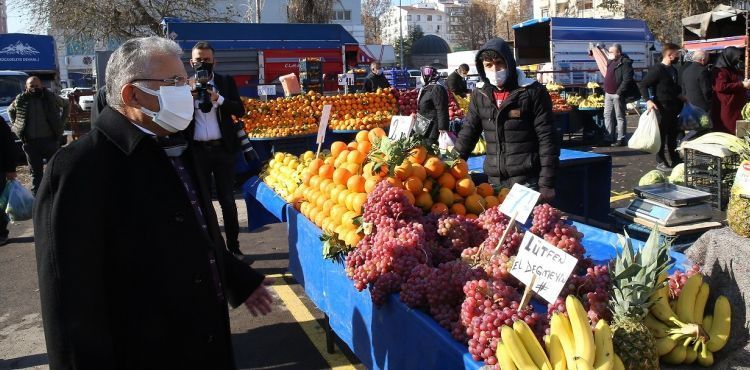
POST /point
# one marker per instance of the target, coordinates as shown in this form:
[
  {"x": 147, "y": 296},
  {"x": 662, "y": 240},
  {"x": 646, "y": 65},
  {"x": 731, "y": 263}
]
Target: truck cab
[{"x": 12, "y": 83}]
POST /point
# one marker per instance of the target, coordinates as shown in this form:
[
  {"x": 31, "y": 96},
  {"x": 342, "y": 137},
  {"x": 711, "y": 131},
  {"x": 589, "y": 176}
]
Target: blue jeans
[{"x": 615, "y": 110}]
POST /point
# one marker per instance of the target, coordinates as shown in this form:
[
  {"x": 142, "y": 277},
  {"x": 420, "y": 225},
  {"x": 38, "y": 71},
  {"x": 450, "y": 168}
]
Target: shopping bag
[
  {"x": 20, "y": 202},
  {"x": 421, "y": 125},
  {"x": 446, "y": 140},
  {"x": 646, "y": 137},
  {"x": 692, "y": 118}
]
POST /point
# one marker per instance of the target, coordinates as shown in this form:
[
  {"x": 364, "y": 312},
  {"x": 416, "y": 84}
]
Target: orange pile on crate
[{"x": 299, "y": 115}]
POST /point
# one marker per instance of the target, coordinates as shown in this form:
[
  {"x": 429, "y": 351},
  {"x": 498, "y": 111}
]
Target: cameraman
[{"x": 216, "y": 137}]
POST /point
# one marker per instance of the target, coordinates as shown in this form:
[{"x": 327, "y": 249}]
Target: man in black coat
[
  {"x": 375, "y": 80},
  {"x": 516, "y": 116},
  {"x": 696, "y": 82},
  {"x": 214, "y": 135},
  {"x": 456, "y": 82},
  {"x": 7, "y": 171},
  {"x": 133, "y": 272},
  {"x": 619, "y": 89}
]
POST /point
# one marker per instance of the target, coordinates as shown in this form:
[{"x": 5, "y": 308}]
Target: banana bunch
[
  {"x": 683, "y": 334},
  {"x": 592, "y": 85},
  {"x": 574, "y": 100},
  {"x": 570, "y": 345},
  {"x": 592, "y": 101},
  {"x": 480, "y": 148},
  {"x": 552, "y": 86}
]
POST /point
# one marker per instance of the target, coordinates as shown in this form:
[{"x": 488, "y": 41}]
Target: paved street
[{"x": 289, "y": 338}]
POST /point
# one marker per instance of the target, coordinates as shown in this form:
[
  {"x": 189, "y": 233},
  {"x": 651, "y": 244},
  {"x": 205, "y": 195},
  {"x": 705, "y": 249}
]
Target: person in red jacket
[{"x": 730, "y": 89}]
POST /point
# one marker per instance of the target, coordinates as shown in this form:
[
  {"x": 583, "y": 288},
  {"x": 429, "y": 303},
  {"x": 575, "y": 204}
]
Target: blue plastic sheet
[
  {"x": 264, "y": 206},
  {"x": 393, "y": 336}
]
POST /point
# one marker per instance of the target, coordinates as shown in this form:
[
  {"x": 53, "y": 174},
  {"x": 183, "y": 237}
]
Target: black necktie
[{"x": 173, "y": 145}]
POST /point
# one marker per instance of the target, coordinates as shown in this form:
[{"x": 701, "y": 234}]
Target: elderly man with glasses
[{"x": 133, "y": 270}]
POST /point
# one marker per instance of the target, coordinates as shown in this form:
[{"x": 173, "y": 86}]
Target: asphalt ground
[{"x": 291, "y": 337}]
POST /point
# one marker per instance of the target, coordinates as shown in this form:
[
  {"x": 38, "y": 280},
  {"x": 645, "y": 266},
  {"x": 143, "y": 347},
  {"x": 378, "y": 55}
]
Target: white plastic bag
[
  {"x": 446, "y": 141},
  {"x": 20, "y": 202},
  {"x": 646, "y": 137}
]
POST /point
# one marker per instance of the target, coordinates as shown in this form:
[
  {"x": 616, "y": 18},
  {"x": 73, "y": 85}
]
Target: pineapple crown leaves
[{"x": 635, "y": 275}]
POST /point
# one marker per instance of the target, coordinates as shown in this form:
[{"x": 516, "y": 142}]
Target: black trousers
[
  {"x": 668, "y": 130},
  {"x": 4, "y": 220},
  {"x": 37, "y": 151},
  {"x": 219, "y": 162}
]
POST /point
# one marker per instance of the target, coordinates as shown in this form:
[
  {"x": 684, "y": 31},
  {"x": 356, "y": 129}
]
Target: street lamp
[{"x": 400, "y": 34}]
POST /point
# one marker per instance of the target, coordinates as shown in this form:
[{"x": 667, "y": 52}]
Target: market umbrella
[{"x": 600, "y": 56}]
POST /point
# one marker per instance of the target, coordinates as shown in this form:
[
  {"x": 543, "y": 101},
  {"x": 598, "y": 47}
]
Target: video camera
[{"x": 202, "y": 88}]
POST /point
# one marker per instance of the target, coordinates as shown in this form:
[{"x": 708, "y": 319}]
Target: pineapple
[{"x": 634, "y": 279}]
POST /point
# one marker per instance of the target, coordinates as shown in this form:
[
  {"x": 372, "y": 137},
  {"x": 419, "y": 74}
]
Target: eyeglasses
[{"x": 176, "y": 80}]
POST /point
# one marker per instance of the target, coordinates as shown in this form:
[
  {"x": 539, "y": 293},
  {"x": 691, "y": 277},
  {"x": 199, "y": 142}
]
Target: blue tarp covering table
[
  {"x": 393, "y": 336},
  {"x": 264, "y": 206},
  {"x": 583, "y": 183}
]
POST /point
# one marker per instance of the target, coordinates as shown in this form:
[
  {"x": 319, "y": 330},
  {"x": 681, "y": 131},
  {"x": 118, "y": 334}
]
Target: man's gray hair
[
  {"x": 616, "y": 46},
  {"x": 132, "y": 60},
  {"x": 698, "y": 55}
]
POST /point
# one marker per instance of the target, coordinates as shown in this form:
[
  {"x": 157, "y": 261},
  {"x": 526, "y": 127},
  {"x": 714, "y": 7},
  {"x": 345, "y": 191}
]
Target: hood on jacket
[
  {"x": 501, "y": 47},
  {"x": 731, "y": 58}
]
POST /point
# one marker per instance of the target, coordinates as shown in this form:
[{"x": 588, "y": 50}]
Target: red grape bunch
[
  {"x": 593, "y": 291},
  {"x": 548, "y": 224},
  {"x": 678, "y": 279}
]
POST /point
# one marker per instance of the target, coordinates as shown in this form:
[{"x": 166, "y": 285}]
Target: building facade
[
  {"x": 574, "y": 9},
  {"x": 433, "y": 17},
  {"x": 347, "y": 13}
]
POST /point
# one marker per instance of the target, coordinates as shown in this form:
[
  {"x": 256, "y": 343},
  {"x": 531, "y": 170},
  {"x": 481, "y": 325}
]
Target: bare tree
[
  {"x": 372, "y": 14},
  {"x": 309, "y": 11},
  {"x": 512, "y": 13},
  {"x": 664, "y": 17},
  {"x": 477, "y": 25},
  {"x": 117, "y": 19}
]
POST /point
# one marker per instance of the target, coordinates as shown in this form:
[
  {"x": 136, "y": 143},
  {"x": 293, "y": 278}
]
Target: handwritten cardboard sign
[
  {"x": 551, "y": 266},
  {"x": 520, "y": 203},
  {"x": 400, "y": 127},
  {"x": 325, "y": 116}
]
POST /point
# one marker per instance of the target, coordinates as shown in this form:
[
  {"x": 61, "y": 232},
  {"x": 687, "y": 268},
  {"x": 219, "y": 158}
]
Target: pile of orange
[{"x": 299, "y": 115}]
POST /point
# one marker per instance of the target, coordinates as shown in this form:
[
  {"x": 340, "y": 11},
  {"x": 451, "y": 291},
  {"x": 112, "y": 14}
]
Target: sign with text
[
  {"x": 519, "y": 202},
  {"x": 400, "y": 127},
  {"x": 323, "y": 125},
  {"x": 266, "y": 90},
  {"x": 551, "y": 266},
  {"x": 346, "y": 79}
]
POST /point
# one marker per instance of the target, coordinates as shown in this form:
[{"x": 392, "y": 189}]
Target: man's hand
[
  {"x": 650, "y": 105},
  {"x": 10, "y": 176},
  {"x": 214, "y": 95},
  {"x": 260, "y": 300},
  {"x": 746, "y": 84},
  {"x": 547, "y": 195}
]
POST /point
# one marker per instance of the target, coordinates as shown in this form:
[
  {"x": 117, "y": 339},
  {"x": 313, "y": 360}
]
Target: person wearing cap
[
  {"x": 515, "y": 114},
  {"x": 456, "y": 82}
]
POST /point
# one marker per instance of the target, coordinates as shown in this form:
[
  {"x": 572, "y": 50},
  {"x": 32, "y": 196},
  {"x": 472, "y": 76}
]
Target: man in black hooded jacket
[{"x": 515, "y": 114}]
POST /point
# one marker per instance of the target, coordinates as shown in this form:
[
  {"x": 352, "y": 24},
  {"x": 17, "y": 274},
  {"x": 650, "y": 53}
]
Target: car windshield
[{"x": 10, "y": 87}]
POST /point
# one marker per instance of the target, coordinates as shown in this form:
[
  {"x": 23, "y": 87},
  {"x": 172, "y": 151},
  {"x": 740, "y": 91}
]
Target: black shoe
[
  {"x": 663, "y": 167},
  {"x": 3, "y": 241},
  {"x": 619, "y": 143}
]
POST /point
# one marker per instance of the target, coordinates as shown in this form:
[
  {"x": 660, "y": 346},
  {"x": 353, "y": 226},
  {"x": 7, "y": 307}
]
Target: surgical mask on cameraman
[
  {"x": 498, "y": 78},
  {"x": 176, "y": 107}
]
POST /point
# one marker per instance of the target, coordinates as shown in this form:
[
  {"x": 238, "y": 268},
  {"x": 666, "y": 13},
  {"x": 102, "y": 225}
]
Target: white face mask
[
  {"x": 498, "y": 78},
  {"x": 176, "y": 107}
]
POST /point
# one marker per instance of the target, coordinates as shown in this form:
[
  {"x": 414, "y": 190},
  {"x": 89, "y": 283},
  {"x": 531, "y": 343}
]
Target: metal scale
[{"x": 669, "y": 204}]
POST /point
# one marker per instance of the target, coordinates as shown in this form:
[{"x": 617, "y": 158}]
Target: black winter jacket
[
  {"x": 664, "y": 82},
  {"x": 521, "y": 141},
  {"x": 626, "y": 86},
  {"x": 457, "y": 84},
  {"x": 433, "y": 104},
  {"x": 374, "y": 82},
  {"x": 697, "y": 86},
  {"x": 8, "y": 154}
]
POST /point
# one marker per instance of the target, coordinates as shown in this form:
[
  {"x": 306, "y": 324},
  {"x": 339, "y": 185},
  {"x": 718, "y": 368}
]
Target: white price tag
[
  {"x": 266, "y": 90},
  {"x": 742, "y": 179},
  {"x": 323, "y": 125},
  {"x": 551, "y": 266},
  {"x": 400, "y": 127},
  {"x": 519, "y": 202},
  {"x": 346, "y": 79}
]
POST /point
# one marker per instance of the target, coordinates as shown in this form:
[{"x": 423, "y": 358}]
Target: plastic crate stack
[
  {"x": 398, "y": 78},
  {"x": 311, "y": 74},
  {"x": 711, "y": 174}
]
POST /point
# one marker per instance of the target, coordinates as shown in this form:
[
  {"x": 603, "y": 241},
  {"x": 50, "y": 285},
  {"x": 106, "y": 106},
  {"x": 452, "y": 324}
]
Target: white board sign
[
  {"x": 323, "y": 125},
  {"x": 400, "y": 127},
  {"x": 346, "y": 79},
  {"x": 519, "y": 202},
  {"x": 551, "y": 265},
  {"x": 266, "y": 90}
]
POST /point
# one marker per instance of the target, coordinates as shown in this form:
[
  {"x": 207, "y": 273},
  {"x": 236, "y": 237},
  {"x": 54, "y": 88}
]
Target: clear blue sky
[{"x": 18, "y": 21}]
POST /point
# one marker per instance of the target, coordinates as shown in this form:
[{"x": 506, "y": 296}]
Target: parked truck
[
  {"x": 31, "y": 54},
  {"x": 558, "y": 48},
  {"x": 258, "y": 54}
]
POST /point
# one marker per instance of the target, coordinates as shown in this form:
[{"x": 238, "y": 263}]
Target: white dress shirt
[{"x": 207, "y": 124}]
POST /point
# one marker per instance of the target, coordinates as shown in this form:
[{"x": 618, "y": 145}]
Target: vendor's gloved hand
[{"x": 251, "y": 155}]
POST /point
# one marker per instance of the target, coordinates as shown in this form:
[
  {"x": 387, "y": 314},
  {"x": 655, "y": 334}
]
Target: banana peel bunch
[
  {"x": 571, "y": 344},
  {"x": 683, "y": 334},
  {"x": 480, "y": 148}
]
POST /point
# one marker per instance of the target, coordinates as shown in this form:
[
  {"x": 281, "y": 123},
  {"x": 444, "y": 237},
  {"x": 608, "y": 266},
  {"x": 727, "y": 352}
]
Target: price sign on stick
[
  {"x": 519, "y": 203},
  {"x": 266, "y": 90},
  {"x": 323, "y": 126},
  {"x": 542, "y": 266},
  {"x": 400, "y": 127}
]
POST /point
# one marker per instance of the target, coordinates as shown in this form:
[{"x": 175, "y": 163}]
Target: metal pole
[
  {"x": 257, "y": 11},
  {"x": 400, "y": 35}
]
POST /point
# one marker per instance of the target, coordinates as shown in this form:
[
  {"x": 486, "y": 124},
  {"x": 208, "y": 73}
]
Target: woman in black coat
[{"x": 433, "y": 104}]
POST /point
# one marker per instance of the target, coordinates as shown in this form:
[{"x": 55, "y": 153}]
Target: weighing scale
[{"x": 669, "y": 204}]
